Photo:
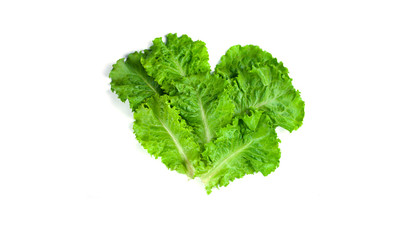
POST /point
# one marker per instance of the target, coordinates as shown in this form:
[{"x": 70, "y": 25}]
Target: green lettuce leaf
[
  {"x": 178, "y": 57},
  {"x": 260, "y": 82},
  {"x": 215, "y": 126},
  {"x": 163, "y": 133},
  {"x": 181, "y": 66},
  {"x": 204, "y": 102},
  {"x": 130, "y": 81},
  {"x": 246, "y": 146}
]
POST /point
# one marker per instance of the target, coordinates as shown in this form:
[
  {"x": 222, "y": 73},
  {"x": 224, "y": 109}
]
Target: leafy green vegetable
[
  {"x": 215, "y": 126},
  {"x": 204, "y": 104},
  {"x": 131, "y": 82},
  {"x": 260, "y": 82},
  {"x": 176, "y": 59},
  {"x": 181, "y": 67},
  {"x": 161, "y": 131},
  {"x": 241, "y": 149}
]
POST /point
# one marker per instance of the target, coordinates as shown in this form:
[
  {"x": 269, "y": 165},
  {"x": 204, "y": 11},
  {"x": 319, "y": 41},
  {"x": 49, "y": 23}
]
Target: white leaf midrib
[
  {"x": 179, "y": 148},
  {"x": 216, "y": 168},
  {"x": 207, "y": 130}
]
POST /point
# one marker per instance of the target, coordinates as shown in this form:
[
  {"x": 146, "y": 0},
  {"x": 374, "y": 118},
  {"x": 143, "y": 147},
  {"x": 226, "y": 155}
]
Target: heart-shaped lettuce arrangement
[{"x": 216, "y": 126}]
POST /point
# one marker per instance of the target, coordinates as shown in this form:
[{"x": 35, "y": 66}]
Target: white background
[{"x": 70, "y": 167}]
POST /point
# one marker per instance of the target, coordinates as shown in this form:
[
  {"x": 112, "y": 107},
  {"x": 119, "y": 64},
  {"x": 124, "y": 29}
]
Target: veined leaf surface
[
  {"x": 181, "y": 66},
  {"x": 169, "y": 62},
  {"x": 130, "y": 81},
  {"x": 246, "y": 146},
  {"x": 204, "y": 102},
  {"x": 260, "y": 82},
  {"x": 163, "y": 133}
]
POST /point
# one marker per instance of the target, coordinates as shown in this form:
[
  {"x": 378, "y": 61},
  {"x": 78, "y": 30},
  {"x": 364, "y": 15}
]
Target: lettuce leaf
[
  {"x": 130, "y": 81},
  {"x": 260, "y": 82},
  {"x": 205, "y": 104},
  {"x": 216, "y": 126},
  {"x": 163, "y": 133},
  {"x": 181, "y": 67},
  {"x": 176, "y": 59},
  {"x": 246, "y": 146}
]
